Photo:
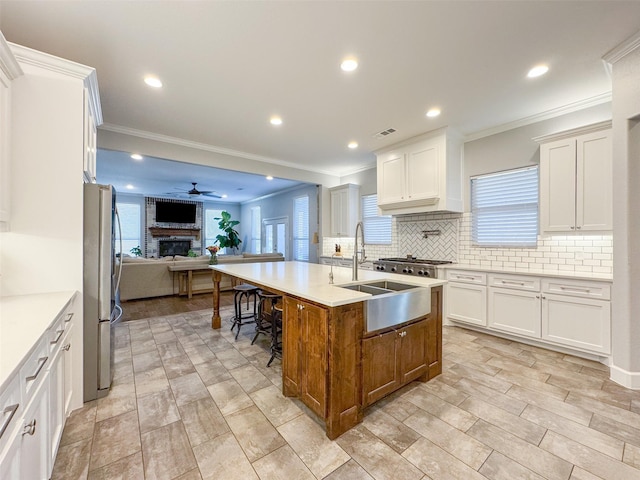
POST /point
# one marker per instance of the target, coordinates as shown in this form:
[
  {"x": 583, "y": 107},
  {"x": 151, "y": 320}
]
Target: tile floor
[{"x": 191, "y": 403}]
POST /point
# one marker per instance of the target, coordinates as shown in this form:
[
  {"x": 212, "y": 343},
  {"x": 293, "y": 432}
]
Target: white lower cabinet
[
  {"x": 514, "y": 311},
  {"x": 553, "y": 310},
  {"x": 466, "y": 298},
  {"x": 34, "y": 446},
  {"x": 36, "y": 403},
  {"x": 577, "y": 322}
]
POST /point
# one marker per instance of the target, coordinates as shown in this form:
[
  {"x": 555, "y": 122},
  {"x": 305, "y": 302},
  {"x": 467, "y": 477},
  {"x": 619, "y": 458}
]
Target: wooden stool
[
  {"x": 248, "y": 292},
  {"x": 276, "y": 334},
  {"x": 265, "y": 313}
]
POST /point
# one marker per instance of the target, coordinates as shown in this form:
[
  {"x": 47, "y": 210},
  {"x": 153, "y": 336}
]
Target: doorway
[{"x": 274, "y": 234}]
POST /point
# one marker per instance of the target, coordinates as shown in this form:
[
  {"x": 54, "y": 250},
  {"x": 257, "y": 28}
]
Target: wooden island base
[{"x": 336, "y": 369}]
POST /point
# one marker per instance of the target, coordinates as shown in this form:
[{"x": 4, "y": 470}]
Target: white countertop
[
  {"x": 311, "y": 280},
  {"x": 537, "y": 273},
  {"x": 23, "y": 320}
]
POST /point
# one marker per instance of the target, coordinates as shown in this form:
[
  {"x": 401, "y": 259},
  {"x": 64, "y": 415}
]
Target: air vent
[{"x": 384, "y": 133}]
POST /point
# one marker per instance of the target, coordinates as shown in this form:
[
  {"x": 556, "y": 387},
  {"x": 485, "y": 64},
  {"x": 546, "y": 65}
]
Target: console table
[{"x": 186, "y": 273}]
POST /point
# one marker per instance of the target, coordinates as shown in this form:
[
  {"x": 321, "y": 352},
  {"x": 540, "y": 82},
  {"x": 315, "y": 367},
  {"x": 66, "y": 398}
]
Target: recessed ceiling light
[
  {"x": 269, "y": 177},
  {"x": 275, "y": 120},
  {"x": 349, "y": 64},
  {"x": 434, "y": 112},
  {"x": 129, "y": 187},
  {"x": 353, "y": 145},
  {"x": 154, "y": 82},
  {"x": 136, "y": 156},
  {"x": 537, "y": 71}
]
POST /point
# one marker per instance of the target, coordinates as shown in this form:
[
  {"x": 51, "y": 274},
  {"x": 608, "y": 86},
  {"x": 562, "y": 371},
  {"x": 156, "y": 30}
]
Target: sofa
[{"x": 151, "y": 277}]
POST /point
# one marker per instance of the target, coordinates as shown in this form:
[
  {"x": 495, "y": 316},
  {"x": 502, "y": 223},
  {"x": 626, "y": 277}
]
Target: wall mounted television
[{"x": 175, "y": 212}]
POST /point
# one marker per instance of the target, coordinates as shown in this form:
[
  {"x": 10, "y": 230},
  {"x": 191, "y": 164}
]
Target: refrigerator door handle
[
  {"x": 104, "y": 360},
  {"x": 104, "y": 249},
  {"x": 120, "y": 263}
]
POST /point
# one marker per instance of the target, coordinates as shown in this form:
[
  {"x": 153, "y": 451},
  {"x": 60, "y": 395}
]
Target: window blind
[
  {"x": 301, "y": 228},
  {"x": 130, "y": 220},
  {"x": 504, "y": 208},
  {"x": 211, "y": 229},
  {"x": 377, "y": 228},
  {"x": 256, "y": 227}
]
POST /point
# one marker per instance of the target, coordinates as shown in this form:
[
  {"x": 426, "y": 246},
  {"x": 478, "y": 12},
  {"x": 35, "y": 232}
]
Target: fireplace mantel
[{"x": 174, "y": 232}]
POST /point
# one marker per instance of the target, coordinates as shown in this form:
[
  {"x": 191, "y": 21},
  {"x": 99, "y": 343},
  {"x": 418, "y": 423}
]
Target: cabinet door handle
[
  {"x": 543, "y": 297},
  {"x": 66, "y": 347},
  {"x": 576, "y": 289},
  {"x": 465, "y": 277},
  {"x": 512, "y": 282},
  {"x": 29, "y": 428},
  {"x": 11, "y": 410},
  {"x": 573, "y": 228},
  {"x": 578, "y": 228},
  {"x": 59, "y": 332},
  {"x": 537, "y": 296},
  {"x": 69, "y": 317},
  {"x": 41, "y": 361}
]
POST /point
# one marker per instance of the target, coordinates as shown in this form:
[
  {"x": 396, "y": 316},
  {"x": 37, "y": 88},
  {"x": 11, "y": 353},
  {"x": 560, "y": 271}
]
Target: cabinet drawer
[
  {"x": 576, "y": 288},
  {"x": 467, "y": 277},
  {"x": 10, "y": 410},
  {"x": 515, "y": 282},
  {"x": 33, "y": 371}
]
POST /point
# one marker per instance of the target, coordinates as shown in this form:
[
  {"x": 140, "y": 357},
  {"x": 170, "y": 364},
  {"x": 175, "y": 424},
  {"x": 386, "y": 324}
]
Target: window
[
  {"x": 211, "y": 230},
  {"x": 130, "y": 222},
  {"x": 301, "y": 228},
  {"x": 504, "y": 208},
  {"x": 377, "y": 228},
  {"x": 256, "y": 227}
]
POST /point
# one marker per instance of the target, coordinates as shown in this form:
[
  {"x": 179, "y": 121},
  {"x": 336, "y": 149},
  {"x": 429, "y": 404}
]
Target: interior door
[{"x": 275, "y": 232}]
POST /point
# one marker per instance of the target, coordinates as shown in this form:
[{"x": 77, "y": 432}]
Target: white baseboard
[{"x": 625, "y": 378}]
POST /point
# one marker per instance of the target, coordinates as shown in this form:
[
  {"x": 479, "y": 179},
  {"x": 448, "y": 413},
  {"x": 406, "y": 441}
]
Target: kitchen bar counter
[
  {"x": 23, "y": 321},
  {"x": 331, "y": 361},
  {"x": 311, "y": 281}
]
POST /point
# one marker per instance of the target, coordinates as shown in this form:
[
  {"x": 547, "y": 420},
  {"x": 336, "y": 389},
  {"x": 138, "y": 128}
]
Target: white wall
[
  {"x": 626, "y": 221},
  {"x": 280, "y": 205}
]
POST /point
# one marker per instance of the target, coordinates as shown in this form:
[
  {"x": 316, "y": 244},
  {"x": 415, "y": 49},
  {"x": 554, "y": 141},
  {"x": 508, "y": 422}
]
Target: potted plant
[
  {"x": 136, "y": 251},
  {"x": 231, "y": 237}
]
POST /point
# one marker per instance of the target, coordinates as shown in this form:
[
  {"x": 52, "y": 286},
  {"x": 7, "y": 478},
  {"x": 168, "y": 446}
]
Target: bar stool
[
  {"x": 265, "y": 312},
  {"x": 247, "y": 292},
  {"x": 276, "y": 334}
]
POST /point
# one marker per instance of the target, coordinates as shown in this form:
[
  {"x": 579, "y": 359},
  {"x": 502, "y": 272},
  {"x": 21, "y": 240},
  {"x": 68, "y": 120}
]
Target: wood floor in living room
[{"x": 189, "y": 402}]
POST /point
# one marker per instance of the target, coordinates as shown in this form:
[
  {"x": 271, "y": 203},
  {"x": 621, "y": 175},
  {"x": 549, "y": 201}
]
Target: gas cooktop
[{"x": 415, "y": 260}]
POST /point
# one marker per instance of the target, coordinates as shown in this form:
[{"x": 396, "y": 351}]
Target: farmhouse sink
[{"x": 392, "y": 303}]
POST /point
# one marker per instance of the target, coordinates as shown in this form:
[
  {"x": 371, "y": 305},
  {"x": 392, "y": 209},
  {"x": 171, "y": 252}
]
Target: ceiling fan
[{"x": 194, "y": 192}]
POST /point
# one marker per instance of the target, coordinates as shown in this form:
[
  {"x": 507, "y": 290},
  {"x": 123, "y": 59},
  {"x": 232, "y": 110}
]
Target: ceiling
[
  {"x": 228, "y": 66},
  {"x": 166, "y": 178}
]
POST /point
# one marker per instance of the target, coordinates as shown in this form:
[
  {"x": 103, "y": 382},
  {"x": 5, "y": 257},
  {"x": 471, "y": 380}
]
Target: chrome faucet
[
  {"x": 360, "y": 226},
  {"x": 331, "y": 272}
]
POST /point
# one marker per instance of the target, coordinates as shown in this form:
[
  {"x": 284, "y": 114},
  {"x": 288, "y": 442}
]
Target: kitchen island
[{"x": 329, "y": 360}]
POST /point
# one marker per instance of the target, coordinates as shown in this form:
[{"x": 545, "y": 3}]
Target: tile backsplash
[{"x": 568, "y": 253}]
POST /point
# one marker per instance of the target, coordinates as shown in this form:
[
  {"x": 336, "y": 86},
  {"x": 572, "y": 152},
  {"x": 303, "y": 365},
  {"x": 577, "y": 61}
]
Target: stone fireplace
[{"x": 164, "y": 239}]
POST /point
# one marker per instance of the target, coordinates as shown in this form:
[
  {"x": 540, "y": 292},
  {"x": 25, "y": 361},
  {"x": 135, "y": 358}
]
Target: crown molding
[
  {"x": 623, "y": 49},
  {"x": 574, "y": 132},
  {"x": 539, "y": 117},
  {"x": 28, "y": 56},
  {"x": 8, "y": 63},
  {"x": 208, "y": 148}
]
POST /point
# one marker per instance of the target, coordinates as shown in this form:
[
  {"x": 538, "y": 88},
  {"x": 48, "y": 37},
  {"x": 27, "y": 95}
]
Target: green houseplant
[
  {"x": 231, "y": 237},
  {"x": 136, "y": 251}
]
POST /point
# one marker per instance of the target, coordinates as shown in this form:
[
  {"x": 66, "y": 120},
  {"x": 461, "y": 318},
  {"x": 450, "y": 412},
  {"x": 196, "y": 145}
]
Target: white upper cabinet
[
  {"x": 9, "y": 70},
  {"x": 344, "y": 210},
  {"x": 423, "y": 174},
  {"x": 576, "y": 180}
]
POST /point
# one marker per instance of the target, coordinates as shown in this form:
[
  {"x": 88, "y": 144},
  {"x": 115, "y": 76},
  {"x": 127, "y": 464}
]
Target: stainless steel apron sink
[{"x": 392, "y": 303}]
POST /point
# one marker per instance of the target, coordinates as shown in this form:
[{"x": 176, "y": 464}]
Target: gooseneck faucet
[{"x": 359, "y": 226}]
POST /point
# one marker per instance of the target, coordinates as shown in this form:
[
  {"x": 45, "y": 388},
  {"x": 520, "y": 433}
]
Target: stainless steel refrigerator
[{"x": 101, "y": 278}]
